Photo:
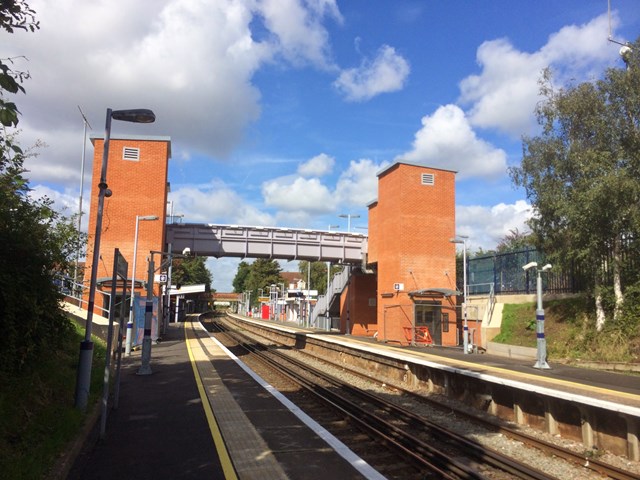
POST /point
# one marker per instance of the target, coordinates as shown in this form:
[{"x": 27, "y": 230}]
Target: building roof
[
  {"x": 143, "y": 138},
  {"x": 411, "y": 164}
]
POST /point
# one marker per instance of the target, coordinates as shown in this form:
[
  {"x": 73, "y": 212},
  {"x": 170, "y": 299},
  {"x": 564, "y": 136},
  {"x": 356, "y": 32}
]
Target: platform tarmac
[{"x": 200, "y": 415}]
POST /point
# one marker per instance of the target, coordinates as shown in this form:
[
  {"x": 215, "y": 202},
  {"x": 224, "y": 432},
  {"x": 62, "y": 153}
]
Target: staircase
[{"x": 319, "y": 314}]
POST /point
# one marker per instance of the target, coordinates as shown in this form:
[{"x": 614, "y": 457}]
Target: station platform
[
  {"x": 201, "y": 414},
  {"x": 602, "y": 384}
]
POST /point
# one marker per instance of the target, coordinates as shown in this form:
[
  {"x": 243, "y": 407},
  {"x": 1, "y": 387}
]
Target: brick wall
[
  {"x": 414, "y": 223},
  {"x": 138, "y": 188}
]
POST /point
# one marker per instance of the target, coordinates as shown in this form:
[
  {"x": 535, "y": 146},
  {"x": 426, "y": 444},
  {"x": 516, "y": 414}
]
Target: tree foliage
[
  {"x": 582, "y": 175},
  {"x": 14, "y": 14},
  {"x": 318, "y": 275},
  {"x": 257, "y": 277},
  {"x": 191, "y": 271},
  {"x": 240, "y": 280},
  {"x": 37, "y": 242}
]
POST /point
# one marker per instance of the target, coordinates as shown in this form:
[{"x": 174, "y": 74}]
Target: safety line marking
[
  {"x": 221, "y": 448},
  {"x": 336, "y": 444},
  {"x": 475, "y": 367}
]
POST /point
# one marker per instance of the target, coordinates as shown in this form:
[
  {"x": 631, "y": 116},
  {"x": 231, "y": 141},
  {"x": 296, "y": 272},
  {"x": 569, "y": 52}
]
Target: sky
[{"x": 281, "y": 112}]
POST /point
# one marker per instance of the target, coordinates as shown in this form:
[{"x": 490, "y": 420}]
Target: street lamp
[
  {"x": 348, "y": 216},
  {"x": 329, "y": 274},
  {"x": 127, "y": 348},
  {"x": 84, "y": 149},
  {"x": 465, "y": 332},
  {"x": 541, "y": 353},
  {"x": 83, "y": 381}
]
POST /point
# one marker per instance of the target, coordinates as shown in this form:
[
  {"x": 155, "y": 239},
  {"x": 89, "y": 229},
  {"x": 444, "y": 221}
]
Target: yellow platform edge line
[
  {"x": 525, "y": 376},
  {"x": 216, "y": 435}
]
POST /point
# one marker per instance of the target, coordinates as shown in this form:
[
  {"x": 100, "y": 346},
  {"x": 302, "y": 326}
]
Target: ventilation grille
[
  {"x": 428, "y": 179},
  {"x": 130, "y": 153}
]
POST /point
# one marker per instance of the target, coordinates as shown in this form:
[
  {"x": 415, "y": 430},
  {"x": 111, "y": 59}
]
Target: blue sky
[{"x": 282, "y": 111}]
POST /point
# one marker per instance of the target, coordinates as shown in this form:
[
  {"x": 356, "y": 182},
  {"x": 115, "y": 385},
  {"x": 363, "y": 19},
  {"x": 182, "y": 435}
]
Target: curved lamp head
[
  {"x": 546, "y": 267},
  {"x": 137, "y": 115},
  {"x": 529, "y": 265}
]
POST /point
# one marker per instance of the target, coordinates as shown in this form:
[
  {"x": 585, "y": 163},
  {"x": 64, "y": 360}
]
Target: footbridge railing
[
  {"x": 322, "y": 306},
  {"x": 267, "y": 242}
]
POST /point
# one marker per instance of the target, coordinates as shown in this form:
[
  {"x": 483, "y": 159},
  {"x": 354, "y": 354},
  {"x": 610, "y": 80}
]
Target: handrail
[{"x": 72, "y": 289}]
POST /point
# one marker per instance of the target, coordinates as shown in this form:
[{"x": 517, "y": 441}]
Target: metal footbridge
[{"x": 217, "y": 241}]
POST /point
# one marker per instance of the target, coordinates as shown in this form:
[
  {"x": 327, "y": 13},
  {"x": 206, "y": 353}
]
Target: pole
[
  {"x": 84, "y": 150},
  {"x": 145, "y": 368},
  {"x": 167, "y": 313},
  {"x": 541, "y": 342},
  {"x": 83, "y": 381},
  {"x": 465, "y": 334},
  {"x": 127, "y": 346}
]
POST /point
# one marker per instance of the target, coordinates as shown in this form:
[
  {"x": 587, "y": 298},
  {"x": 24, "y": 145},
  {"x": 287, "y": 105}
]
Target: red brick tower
[
  {"x": 410, "y": 227},
  {"x": 137, "y": 177}
]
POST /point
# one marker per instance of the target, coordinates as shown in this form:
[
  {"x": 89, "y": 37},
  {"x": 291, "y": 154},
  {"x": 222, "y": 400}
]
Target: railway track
[
  {"x": 414, "y": 447},
  {"x": 576, "y": 458}
]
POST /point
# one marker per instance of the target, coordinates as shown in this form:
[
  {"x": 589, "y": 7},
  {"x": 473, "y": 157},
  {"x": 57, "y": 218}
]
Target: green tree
[
  {"x": 240, "y": 280},
  {"x": 318, "y": 275},
  {"x": 37, "y": 244},
  {"x": 263, "y": 273},
  {"x": 191, "y": 271},
  {"x": 582, "y": 176},
  {"x": 14, "y": 14},
  {"x": 515, "y": 240}
]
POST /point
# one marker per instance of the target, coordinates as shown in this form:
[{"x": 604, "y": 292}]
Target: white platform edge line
[
  {"x": 574, "y": 397},
  {"x": 345, "y": 452}
]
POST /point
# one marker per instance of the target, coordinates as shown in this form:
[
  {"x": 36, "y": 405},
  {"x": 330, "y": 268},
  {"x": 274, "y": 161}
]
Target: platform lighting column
[
  {"x": 83, "y": 381},
  {"x": 461, "y": 239},
  {"x": 128, "y": 341},
  {"x": 348, "y": 216},
  {"x": 78, "y": 290},
  {"x": 541, "y": 342}
]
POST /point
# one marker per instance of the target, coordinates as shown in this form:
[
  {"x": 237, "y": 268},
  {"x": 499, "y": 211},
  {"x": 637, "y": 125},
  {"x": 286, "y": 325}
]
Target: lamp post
[
  {"x": 329, "y": 274},
  {"x": 127, "y": 348},
  {"x": 84, "y": 150},
  {"x": 461, "y": 239},
  {"x": 348, "y": 216},
  {"x": 83, "y": 381},
  {"x": 541, "y": 342}
]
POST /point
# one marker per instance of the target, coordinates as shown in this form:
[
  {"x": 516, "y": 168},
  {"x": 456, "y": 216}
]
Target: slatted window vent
[
  {"x": 428, "y": 179},
  {"x": 130, "y": 153}
]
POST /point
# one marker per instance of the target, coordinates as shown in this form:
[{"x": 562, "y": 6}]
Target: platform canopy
[{"x": 426, "y": 292}]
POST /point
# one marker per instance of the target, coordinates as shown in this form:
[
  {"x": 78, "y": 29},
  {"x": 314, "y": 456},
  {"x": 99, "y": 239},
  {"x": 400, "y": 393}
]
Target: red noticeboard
[{"x": 265, "y": 312}]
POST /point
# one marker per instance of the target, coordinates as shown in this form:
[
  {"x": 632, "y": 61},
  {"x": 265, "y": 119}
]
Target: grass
[
  {"x": 37, "y": 414},
  {"x": 569, "y": 331}
]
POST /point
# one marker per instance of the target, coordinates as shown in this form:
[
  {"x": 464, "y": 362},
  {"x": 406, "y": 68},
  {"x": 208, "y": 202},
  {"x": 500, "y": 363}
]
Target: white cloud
[
  {"x": 292, "y": 194},
  {"x": 387, "y": 72},
  {"x": 297, "y": 25},
  {"x": 318, "y": 166},
  {"x": 358, "y": 185},
  {"x": 486, "y": 226},
  {"x": 191, "y": 61},
  {"x": 505, "y": 93},
  {"x": 447, "y": 141},
  {"x": 216, "y": 203}
]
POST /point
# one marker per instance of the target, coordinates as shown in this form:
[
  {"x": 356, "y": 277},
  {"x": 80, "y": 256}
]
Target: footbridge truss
[{"x": 267, "y": 242}]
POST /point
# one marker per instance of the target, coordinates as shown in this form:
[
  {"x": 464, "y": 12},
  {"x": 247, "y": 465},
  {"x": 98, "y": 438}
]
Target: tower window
[{"x": 131, "y": 153}]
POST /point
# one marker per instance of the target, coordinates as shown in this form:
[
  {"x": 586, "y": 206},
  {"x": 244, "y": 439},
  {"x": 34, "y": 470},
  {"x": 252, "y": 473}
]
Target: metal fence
[{"x": 504, "y": 272}]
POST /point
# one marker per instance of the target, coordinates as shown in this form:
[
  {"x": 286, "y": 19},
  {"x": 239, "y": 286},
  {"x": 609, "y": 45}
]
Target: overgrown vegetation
[
  {"x": 569, "y": 332},
  {"x": 582, "y": 177},
  {"x": 37, "y": 416},
  {"x": 37, "y": 242}
]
